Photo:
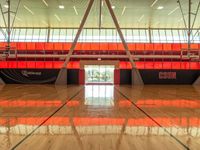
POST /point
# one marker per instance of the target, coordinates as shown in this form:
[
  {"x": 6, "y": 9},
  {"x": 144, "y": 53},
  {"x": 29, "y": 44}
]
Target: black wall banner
[
  {"x": 169, "y": 76},
  {"x": 48, "y": 76},
  {"x": 29, "y": 76}
]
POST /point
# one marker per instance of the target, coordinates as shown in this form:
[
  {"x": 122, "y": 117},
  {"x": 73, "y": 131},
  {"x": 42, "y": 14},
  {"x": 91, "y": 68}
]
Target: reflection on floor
[
  {"x": 99, "y": 117},
  {"x": 99, "y": 95}
]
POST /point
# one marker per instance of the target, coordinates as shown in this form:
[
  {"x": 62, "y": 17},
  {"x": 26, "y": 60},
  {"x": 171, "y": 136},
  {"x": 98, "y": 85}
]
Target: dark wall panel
[
  {"x": 73, "y": 76},
  {"x": 125, "y": 76},
  {"x": 29, "y": 76},
  {"x": 169, "y": 76}
]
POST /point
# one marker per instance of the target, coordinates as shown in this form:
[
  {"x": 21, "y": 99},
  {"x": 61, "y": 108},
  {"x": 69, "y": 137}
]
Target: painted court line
[
  {"x": 122, "y": 94},
  {"x": 27, "y": 136}
]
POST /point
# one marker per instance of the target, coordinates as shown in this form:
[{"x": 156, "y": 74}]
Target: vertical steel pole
[
  {"x": 9, "y": 31},
  {"x": 150, "y": 39},
  {"x": 189, "y": 27},
  {"x": 100, "y": 12},
  {"x": 48, "y": 34}
]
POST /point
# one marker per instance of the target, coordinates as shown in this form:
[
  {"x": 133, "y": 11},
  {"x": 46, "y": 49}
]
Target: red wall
[
  {"x": 82, "y": 76},
  {"x": 117, "y": 76}
]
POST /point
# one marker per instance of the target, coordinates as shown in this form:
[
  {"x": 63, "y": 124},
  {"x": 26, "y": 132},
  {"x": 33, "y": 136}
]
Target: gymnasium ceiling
[{"x": 130, "y": 13}]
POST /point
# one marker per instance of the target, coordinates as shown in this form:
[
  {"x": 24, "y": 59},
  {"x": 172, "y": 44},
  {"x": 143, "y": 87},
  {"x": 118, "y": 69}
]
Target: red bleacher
[
  {"x": 58, "y": 46},
  {"x": 76, "y": 65}
]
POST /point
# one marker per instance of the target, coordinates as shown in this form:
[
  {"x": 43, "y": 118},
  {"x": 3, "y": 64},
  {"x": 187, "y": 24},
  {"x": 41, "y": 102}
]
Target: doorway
[{"x": 99, "y": 74}]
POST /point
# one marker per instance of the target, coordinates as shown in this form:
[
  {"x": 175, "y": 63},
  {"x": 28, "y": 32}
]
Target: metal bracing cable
[
  {"x": 15, "y": 14},
  {"x": 4, "y": 20},
  {"x": 4, "y": 34},
  {"x": 182, "y": 13},
  {"x": 198, "y": 30},
  {"x": 196, "y": 13}
]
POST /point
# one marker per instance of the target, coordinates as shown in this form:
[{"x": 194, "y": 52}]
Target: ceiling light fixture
[
  {"x": 180, "y": 19},
  {"x": 45, "y": 23},
  {"x": 75, "y": 10},
  {"x": 29, "y": 10},
  {"x": 45, "y": 3},
  {"x": 157, "y": 23},
  {"x": 5, "y": 6},
  {"x": 101, "y": 18},
  {"x": 154, "y": 2},
  {"x": 61, "y": 6},
  {"x": 17, "y": 18},
  {"x": 140, "y": 18},
  {"x": 58, "y": 18},
  {"x": 171, "y": 12},
  {"x": 160, "y": 7},
  {"x": 123, "y": 11}
]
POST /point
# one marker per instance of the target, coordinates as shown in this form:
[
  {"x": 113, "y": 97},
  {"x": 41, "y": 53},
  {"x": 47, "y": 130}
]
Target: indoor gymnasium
[{"x": 99, "y": 75}]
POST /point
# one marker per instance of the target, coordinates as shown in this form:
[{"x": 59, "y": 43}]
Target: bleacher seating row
[
  {"x": 58, "y": 46},
  {"x": 76, "y": 65}
]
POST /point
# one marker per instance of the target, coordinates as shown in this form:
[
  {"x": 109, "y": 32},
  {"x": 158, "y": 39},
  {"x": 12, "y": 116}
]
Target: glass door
[{"x": 99, "y": 74}]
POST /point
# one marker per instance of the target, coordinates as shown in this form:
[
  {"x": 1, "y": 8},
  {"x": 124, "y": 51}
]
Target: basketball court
[{"x": 99, "y": 75}]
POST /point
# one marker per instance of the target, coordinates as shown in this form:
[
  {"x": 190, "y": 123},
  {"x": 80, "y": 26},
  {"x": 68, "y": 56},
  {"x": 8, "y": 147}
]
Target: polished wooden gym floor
[{"x": 98, "y": 117}]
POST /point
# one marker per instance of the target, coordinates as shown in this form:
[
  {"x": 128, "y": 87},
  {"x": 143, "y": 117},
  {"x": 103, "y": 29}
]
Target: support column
[
  {"x": 137, "y": 80},
  {"x": 62, "y": 76},
  {"x": 2, "y": 82},
  {"x": 197, "y": 82}
]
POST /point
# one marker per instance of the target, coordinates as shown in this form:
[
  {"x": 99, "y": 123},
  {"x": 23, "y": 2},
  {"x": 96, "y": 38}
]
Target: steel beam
[
  {"x": 120, "y": 32},
  {"x": 189, "y": 27},
  {"x": 150, "y": 39},
  {"x": 78, "y": 33},
  {"x": 137, "y": 79},
  {"x": 101, "y": 28},
  {"x": 48, "y": 34},
  {"x": 9, "y": 28},
  {"x": 134, "y": 57},
  {"x": 100, "y": 12},
  {"x": 62, "y": 76}
]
